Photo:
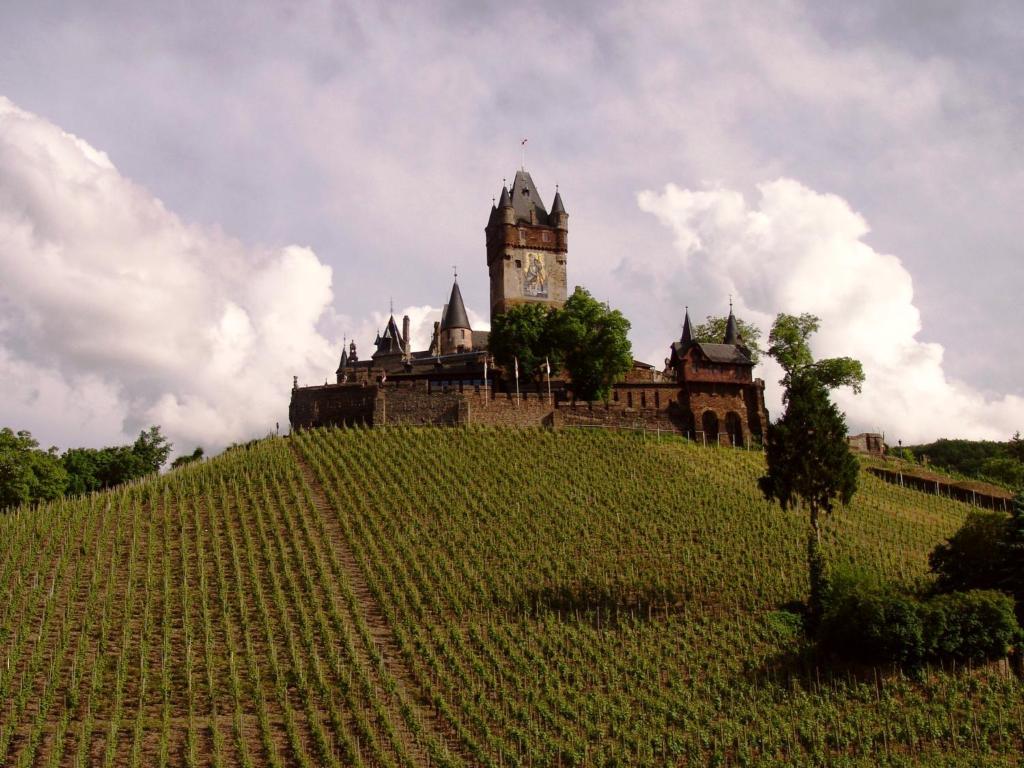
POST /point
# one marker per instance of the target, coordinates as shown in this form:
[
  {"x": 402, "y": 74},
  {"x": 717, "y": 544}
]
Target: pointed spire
[
  {"x": 557, "y": 206},
  {"x": 344, "y": 360},
  {"x": 455, "y": 313},
  {"x": 687, "y": 336},
  {"x": 504, "y": 201},
  {"x": 732, "y": 332}
]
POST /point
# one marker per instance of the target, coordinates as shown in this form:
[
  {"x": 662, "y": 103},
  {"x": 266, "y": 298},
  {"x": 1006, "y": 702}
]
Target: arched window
[{"x": 709, "y": 423}]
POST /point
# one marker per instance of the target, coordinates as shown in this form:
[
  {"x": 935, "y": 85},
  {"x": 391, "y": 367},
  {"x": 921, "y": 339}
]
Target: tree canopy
[
  {"x": 28, "y": 473},
  {"x": 592, "y": 341},
  {"x": 523, "y": 332},
  {"x": 712, "y": 331},
  {"x": 788, "y": 344},
  {"x": 585, "y": 338}
]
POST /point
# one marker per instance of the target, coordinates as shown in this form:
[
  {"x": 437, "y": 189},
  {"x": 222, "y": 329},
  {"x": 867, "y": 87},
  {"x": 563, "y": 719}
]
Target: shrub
[
  {"x": 870, "y": 622},
  {"x": 970, "y": 626}
]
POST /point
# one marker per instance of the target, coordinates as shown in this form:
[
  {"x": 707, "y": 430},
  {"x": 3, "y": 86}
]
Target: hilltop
[{"x": 478, "y": 596}]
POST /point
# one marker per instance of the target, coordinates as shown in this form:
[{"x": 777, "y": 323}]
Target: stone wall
[
  {"x": 660, "y": 406},
  {"x": 349, "y": 405}
]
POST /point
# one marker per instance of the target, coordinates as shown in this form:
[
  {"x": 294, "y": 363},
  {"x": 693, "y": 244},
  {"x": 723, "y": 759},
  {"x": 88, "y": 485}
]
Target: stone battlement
[{"x": 649, "y": 405}]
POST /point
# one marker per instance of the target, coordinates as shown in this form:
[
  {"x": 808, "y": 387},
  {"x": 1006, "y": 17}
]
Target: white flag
[
  {"x": 547, "y": 367},
  {"x": 516, "y": 359}
]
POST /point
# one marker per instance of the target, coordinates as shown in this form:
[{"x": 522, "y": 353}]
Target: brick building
[{"x": 706, "y": 390}]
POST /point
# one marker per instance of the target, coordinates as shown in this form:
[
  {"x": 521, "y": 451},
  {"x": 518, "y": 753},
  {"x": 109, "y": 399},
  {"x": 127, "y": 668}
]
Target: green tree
[
  {"x": 808, "y": 457},
  {"x": 181, "y": 461},
  {"x": 523, "y": 333},
  {"x": 986, "y": 553},
  {"x": 27, "y": 473},
  {"x": 592, "y": 342},
  {"x": 788, "y": 344},
  {"x": 1016, "y": 447},
  {"x": 712, "y": 331},
  {"x": 94, "y": 469},
  {"x": 152, "y": 449}
]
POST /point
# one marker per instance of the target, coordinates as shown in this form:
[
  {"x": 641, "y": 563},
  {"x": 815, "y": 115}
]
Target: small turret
[
  {"x": 456, "y": 335},
  {"x": 341, "y": 373},
  {"x": 505, "y": 209},
  {"x": 559, "y": 218},
  {"x": 352, "y": 356},
  {"x": 732, "y": 331},
  {"x": 406, "y": 341},
  {"x": 687, "y": 336}
]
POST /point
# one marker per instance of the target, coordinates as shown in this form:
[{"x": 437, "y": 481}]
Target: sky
[{"x": 199, "y": 201}]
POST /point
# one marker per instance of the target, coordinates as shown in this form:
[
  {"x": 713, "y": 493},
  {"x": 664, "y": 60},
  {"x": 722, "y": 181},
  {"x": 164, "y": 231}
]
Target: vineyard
[{"x": 464, "y": 597}]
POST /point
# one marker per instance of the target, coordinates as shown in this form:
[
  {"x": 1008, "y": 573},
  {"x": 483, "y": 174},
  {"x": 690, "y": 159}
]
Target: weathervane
[
  {"x": 522, "y": 145},
  {"x": 455, "y": 270}
]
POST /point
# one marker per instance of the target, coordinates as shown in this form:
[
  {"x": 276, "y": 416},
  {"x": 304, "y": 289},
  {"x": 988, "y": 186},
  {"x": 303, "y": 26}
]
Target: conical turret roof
[
  {"x": 504, "y": 201},
  {"x": 455, "y": 313},
  {"x": 687, "y": 336},
  {"x": 556, "y": 206},
  {"x": 732, "y": 331},
  {"x": 344, "y": 361}
]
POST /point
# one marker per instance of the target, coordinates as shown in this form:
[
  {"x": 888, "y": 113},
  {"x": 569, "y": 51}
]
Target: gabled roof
[
  {"x": 455, "y": 313},
  {"x": 732, "y": 354},
  {"x": 525, "y": 198},
  {"x": 725, "y": 353}
]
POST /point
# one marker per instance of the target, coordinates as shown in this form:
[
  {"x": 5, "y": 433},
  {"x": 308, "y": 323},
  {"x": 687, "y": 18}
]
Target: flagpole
[
  {"x": 517, "y": 379},
  {"x": 547, "y": 368}
]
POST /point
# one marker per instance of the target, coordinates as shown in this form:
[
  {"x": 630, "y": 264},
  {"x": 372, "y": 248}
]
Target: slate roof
[
  {"x": 525, "y": 198},
  {"x": 455, "y": 313},
  {"x": 556, "y": 206},
  {"x": 687, "y": 332},
  {"x": 732, "y": 333},
  {"x": 725, "y": 353},
  {"x": 391, "y": 340}
]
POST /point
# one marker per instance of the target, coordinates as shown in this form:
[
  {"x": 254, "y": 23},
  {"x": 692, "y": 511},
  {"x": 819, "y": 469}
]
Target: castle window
[
  {"x": 519, "y": 264},
  {"x": 546, "y": 237},
  {"x": 643, "y": 399}
]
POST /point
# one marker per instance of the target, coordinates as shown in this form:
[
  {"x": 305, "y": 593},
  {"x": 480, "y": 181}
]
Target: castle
[{"x": 706, "y": 390}]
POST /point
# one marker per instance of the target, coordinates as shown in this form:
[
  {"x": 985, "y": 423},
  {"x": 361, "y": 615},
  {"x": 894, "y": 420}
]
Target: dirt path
[{"x": 380, "y": 631}]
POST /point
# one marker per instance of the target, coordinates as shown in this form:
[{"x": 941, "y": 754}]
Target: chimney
[{"x": 406, "y": 341}]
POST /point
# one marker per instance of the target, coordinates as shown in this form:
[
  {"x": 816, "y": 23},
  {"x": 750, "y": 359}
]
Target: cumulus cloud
[
  {"x": 797, "y": 250},
  {"x": 116, "y": 314}
]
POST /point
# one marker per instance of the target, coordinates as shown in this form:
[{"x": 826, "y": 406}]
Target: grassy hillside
[{"x": 462, "y": 597}]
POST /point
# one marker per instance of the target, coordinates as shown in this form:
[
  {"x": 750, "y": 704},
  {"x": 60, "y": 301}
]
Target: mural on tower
[{"x": 535, "y": 277}]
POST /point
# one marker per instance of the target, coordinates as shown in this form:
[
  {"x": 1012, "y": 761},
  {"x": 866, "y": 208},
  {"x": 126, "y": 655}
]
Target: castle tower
[
  {"x": 456, "y": 335},
  {"x": 526, "y": 248}
]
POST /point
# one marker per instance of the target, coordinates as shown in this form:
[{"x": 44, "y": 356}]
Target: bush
[
  {"x": 970, "y": 626},
  {"x": 870, "y": 622}
]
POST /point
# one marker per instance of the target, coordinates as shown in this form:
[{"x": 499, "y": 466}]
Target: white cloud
[
  {"x": 115, "y": 314},
  {"x": 797, "y": 250}
]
